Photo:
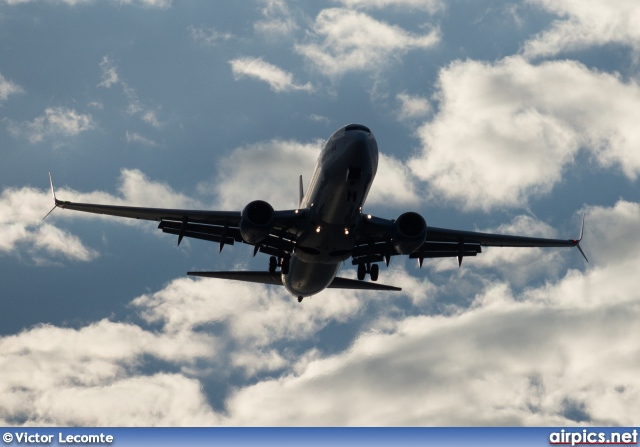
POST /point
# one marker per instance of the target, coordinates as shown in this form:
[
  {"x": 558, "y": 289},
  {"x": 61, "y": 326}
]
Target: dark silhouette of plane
[{"x": 307, "y": 245}]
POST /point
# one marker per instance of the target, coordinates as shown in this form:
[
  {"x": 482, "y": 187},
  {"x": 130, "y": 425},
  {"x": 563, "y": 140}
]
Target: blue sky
[{"x": 515, "y": 117}]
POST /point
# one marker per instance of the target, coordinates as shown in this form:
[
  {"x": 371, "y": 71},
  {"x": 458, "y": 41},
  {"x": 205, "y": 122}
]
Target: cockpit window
[{"x": 357, "y": 127}]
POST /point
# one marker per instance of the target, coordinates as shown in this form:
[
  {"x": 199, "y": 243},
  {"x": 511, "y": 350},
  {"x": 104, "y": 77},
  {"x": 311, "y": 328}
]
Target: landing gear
[
  {"x": 375, "y": 270},
  {"x": 372, "y": 270},
  {"x": 362, "y": 271},
  {"x": 283, "y": 263},
  {"x": 300, "y": 299}
]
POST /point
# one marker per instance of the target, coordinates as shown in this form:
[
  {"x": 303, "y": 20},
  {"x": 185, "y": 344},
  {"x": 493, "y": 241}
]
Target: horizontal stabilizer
[
  {"x": 258, "y": 277},
  {"x": 344, "y": 283},
  {"x": 275, "y": 279}
]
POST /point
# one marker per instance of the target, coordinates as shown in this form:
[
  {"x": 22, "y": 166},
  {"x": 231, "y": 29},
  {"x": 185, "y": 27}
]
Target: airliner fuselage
[{"x": 333, "y": 204}]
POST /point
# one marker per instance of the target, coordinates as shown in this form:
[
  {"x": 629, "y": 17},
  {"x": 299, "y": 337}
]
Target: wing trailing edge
[{"x": 275, "y": 279}]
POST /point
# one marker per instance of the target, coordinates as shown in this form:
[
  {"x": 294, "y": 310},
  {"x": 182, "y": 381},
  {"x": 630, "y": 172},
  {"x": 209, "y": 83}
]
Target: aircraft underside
[{"x": 308, "y": 244}]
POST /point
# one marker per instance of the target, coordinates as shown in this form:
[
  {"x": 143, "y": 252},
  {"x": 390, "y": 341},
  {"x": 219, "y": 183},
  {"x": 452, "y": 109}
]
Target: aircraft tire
[
  {"x": 375, "y": 270},
  {"x": 362, "y": 271}
]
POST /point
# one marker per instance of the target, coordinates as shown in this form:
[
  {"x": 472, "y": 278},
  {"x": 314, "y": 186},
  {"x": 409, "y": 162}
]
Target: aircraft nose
[
  {"x": 361, "y": 150},
  {"x": 359, "y": 145}
]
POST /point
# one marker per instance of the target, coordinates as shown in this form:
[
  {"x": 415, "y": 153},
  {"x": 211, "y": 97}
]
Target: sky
[{"x": 507, "y": 116}]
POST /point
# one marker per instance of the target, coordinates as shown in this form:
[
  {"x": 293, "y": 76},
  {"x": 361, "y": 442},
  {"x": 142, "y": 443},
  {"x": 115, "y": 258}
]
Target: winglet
[
  {"x": 53, "y": 194},
  {"x": 578, "y": 241},
  {"x": 300, "y": 193}
]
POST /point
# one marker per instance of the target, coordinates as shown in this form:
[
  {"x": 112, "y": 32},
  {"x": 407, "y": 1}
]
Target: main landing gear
[
  {"x": 372, "y": 269},
  {"x": 283, "y": 263}
]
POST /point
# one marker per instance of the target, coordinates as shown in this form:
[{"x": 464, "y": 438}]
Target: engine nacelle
[
  {"x": 409, "y": 233},
  {"x": 257, "y": 221}
]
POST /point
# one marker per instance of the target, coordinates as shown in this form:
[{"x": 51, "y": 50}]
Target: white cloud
[
  {"x": 150, "y": 117},
  {"x": 8, "y": 88},
  {"x": 345, "y": 40},
  {"x": 109, "y": 73},
  {"x": 280, "y": 163},
  {"x": 278, "y": 20},
  {"x": 89, "y": 376},
  {"x": 509, "y": 359},
  {"x": 501, "y": 363},
  {"x": 134, "y": 189},
  {"x": 67, "y": 2},
  {"x": 161, "y": 4},
  {"x": 21, "y": 213},
  {"x": 137, "y": 189},
  {"x": 208, "y": 37},
  {"x": 530, "y": 358},
  {"x": 22, "y": 210},
  {"x": 255, "y": 315},
  {"x": 110, "y": 77},
  {"x": 515, "y": 264},
  {"x": 56, "y": 122},
  {"x": 135, "y": 137},
  {"x": 319, "y": 118},
  {"x": 278, "y": 79},
  {"x": 102, "y": 363},
  {"x": 505, "y": 131},
  {"x": 430, "y": 6},
  {"x": 393, "y": 185},
  {"x": 412, "y": 107},
  {"x": 584, "y": 24}
]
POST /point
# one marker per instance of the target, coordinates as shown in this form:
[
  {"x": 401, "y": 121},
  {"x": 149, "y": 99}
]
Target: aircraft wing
[
  {"x": 435, "y": 234},
  {"x": 216, "y": 226},
  {"x": 160, "y": 214},
  {"x": 374, "y": 243}
]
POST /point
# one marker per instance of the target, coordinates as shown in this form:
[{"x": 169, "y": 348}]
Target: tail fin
[{"x": 300, "y": 193}]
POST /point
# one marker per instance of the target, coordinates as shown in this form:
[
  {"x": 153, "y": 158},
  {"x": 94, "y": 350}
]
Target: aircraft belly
[
  {"x": 305, "y": 279},
  {"x": 328, "y": 246}
]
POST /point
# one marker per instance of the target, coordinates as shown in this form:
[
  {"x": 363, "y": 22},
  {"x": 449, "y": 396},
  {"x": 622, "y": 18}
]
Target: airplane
[{"x": 328, "y": 227}]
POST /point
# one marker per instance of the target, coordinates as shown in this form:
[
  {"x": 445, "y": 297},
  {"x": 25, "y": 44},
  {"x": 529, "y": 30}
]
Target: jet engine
[
  {"x": 257, "y": 221},
  {"x": 409, "y": 233}
]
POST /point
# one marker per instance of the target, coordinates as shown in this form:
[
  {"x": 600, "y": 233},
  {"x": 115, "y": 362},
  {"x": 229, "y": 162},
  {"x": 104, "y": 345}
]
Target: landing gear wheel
[
  {"x": 284, "y": 268},
  {"x": 273, "y": 263},
  {"x": 375, "y": 270},
  {"x": 362, "y": 271},
  {"x": 299, "y": 299}
]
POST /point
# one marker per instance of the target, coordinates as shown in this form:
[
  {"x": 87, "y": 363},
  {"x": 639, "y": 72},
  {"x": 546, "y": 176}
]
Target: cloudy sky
[{"x": 509, "y": 116}]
